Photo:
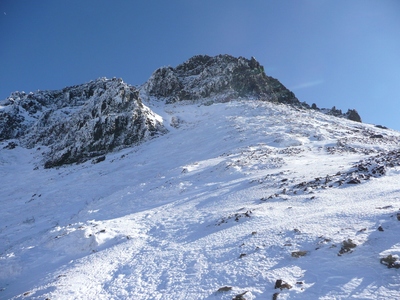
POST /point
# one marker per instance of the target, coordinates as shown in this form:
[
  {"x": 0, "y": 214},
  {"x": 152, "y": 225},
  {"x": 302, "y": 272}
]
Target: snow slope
[{"x": 235, "y": 197}]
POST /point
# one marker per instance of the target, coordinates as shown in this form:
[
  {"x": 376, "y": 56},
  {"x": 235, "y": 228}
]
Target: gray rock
[
  {"x": 79, "y": 122},
  {"x": 222, "y": 77},
  {"x": 353, "y": 115}
]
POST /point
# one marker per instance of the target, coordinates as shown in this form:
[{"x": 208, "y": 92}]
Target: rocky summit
[
  {"x": 222, "y": 78},
  {"x": 90, "y": 120}
]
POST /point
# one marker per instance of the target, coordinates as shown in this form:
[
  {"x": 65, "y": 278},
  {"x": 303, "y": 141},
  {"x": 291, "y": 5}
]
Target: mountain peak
[{"x": 222, "y": 77}]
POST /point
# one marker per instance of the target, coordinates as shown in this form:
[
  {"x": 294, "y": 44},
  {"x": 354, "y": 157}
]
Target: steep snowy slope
[{"x": 234, "y": 198}]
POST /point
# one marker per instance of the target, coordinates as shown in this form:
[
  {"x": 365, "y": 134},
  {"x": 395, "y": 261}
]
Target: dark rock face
[
  {"x": 353, "y": 115},
  {"x": 79, "y": 122},
  {"x": 222, "y": 77}
]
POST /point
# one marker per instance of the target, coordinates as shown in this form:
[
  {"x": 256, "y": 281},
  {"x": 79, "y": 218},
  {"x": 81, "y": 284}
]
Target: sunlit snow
[{"x": 225, "y": 199}]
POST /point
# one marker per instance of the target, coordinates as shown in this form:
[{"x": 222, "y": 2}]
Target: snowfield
[{"x": 244, "y": 200}]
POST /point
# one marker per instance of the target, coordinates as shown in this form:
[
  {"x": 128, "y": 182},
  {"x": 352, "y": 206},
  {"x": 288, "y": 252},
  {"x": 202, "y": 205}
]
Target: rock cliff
[{"x": 79, "y": 122}]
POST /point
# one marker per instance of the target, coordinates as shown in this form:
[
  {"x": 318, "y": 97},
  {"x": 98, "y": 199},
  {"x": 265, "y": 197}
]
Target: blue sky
[{"x": 341, "y": 52}]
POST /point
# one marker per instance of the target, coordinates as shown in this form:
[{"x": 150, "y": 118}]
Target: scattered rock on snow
[
  {"x": 385, "y": 207},
  {"x": 347, "y": 246},
  {"x": 298, "y": 254},
  {"x": 390, "y": 261},
  {"x": 280, "y": 284},
  {"x": 236, "y": 217},
  {"x": 225, "y": 289},
  {"x": 176, "y": 122},
  {"x": 381, "y": 127},
  {"x": 374, "y": 166},
  {"x": 376, "y": 136},
  {"x": 354, "y": 181},
  {"x": 11, "y": 145},
  {"x": 98, "y": 159},
  {"x": 240, "y": 296}
]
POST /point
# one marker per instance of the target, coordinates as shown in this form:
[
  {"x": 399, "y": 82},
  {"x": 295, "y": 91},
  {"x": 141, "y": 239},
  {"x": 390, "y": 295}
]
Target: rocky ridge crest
[
  {"x": 79, "y": 122},
  {"x": 222, "y": 78}
]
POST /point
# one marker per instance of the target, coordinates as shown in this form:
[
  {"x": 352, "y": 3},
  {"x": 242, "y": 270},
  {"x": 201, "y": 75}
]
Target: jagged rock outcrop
[
  {"x": 79, "y": 122},
  {"x": 351, "y": 114},
  {"x": 222, "y": 77}
]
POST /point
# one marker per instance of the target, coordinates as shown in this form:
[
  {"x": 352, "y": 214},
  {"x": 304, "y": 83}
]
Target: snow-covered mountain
[
  {"x": 89, "y": 120},
  {"x": 245, "y": 193},
  {"x": 78, "y": 122}
]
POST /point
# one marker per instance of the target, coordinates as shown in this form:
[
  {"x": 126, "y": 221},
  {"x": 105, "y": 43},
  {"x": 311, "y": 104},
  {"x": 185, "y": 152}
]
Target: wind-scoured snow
[{"x": 233, "y": 198}]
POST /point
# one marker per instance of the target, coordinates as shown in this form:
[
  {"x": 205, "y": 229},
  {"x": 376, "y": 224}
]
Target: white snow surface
[{"x": 211, "y": 204}]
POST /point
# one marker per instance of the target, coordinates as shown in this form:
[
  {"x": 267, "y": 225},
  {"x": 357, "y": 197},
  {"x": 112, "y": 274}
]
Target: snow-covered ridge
[
  {"x": 222, "y": 78},
  {"x": 90, "y": 120},
  {"x": 79, "y": 122}
]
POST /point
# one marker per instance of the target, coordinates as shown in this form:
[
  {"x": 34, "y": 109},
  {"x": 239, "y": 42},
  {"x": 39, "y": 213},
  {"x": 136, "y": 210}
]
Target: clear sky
[{"x": 340, "y": 52}]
